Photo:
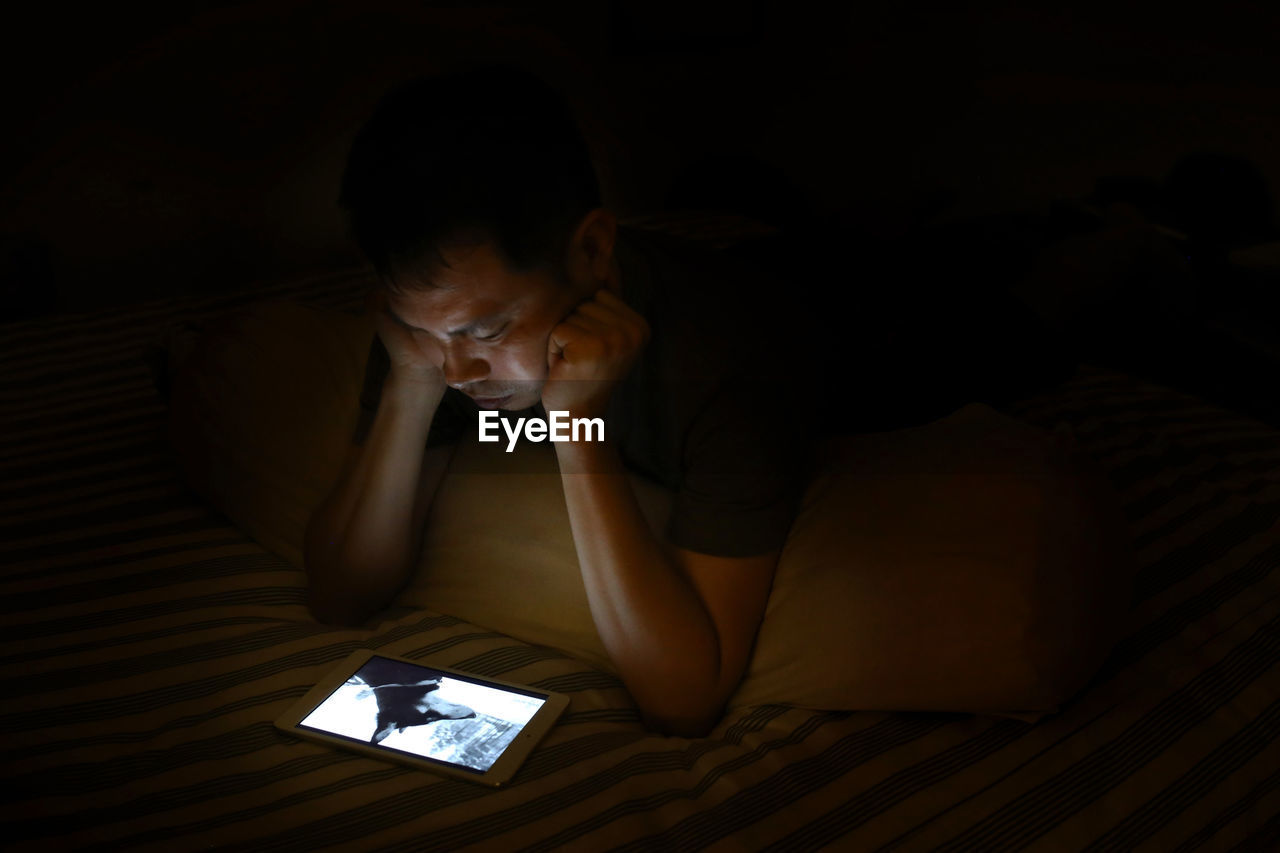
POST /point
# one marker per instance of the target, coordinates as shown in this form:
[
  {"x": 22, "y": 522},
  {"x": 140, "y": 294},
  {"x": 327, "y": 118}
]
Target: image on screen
[{"x": 425, "y": 712}]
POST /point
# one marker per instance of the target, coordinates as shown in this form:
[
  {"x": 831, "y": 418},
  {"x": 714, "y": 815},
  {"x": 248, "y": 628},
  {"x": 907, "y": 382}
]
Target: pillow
[
  {"x": 975, "y": 563},
  {"x": 498, "y": 551},
  {"x": 262, "y": 406},
  {"x": 971, "y": 564}
]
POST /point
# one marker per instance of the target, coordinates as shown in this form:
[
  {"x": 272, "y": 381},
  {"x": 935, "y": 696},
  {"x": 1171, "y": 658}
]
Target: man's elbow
[
  {"x": 688, "y": 721},
  {"x": 330, "y": 599},
  {"x": 334, "y": 604},
  {"x": 334, "y": 610},
  {"x": 688, "y": 728}
]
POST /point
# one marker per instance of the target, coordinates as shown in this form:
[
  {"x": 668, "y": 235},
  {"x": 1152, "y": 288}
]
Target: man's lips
[{"x": 491, "y": 402}]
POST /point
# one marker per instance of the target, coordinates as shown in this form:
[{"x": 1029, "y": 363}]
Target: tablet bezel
[{"x": 498, "y": 774}]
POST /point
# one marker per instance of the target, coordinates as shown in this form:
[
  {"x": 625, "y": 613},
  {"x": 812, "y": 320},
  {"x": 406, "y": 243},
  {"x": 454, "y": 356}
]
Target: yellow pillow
[
  {"x": 498, "y": 550},
  {"x": 975, "y": 563},
  {"x": 262, "y": 408},
  {"x": 971, "y": 564}
]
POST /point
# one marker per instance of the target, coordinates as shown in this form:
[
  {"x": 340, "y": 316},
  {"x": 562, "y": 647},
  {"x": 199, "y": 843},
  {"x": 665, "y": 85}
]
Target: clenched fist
[{"x": 590, "y": 352}]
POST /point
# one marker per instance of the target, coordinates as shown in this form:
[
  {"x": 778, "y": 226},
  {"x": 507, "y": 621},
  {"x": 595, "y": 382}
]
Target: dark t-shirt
[{"x": 701, "y": 410}]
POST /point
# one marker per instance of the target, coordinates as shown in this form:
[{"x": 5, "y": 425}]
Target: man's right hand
[
  {"x": 415, "y": 356},
  {"x": 363, "y": 541}
]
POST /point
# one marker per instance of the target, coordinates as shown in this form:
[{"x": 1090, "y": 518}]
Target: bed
[{"x": 149, "y": 645}]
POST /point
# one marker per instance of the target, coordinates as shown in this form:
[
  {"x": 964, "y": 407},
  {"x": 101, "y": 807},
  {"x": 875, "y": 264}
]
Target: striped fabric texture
[{"x": 149, "y": 645}]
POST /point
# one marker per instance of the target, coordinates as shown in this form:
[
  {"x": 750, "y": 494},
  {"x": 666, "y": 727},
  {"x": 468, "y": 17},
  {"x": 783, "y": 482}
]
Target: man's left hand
[{"x": 590, "y": 352}]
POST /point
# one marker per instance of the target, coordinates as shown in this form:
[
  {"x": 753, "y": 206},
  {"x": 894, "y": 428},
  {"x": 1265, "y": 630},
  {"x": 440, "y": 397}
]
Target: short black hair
[{"x": 485, "y": 152}]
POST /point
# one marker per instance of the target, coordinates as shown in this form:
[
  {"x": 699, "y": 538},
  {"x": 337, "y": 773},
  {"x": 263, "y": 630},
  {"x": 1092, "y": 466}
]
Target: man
[{"x": 505, "y": 285}]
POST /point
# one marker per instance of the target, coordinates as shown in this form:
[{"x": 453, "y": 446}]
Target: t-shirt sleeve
[
  {"x": 451, "y": 416},
  {"x": 742, "y": 479}
]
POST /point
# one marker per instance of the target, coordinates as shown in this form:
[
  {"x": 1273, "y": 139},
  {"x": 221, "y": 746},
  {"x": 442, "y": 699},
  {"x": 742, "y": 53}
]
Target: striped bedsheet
[{"x": 149, "y": 645}]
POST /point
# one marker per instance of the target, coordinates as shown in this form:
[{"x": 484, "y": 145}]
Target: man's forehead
[{"x": 452, "y": 311}]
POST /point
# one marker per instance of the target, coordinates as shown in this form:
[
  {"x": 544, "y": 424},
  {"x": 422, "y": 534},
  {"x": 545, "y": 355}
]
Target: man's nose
[{"x": 461, "y": 368}]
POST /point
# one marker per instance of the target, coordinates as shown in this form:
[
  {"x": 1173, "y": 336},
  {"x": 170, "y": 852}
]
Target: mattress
[{"x": 149, "y": 645}]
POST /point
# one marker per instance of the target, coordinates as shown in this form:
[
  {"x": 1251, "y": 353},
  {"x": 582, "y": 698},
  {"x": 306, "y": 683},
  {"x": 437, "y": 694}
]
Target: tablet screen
[{"x": 427, "y": 713}]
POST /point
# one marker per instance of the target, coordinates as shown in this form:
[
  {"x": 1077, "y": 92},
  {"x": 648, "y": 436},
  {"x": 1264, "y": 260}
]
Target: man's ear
[{"x": 592, "y": 249}]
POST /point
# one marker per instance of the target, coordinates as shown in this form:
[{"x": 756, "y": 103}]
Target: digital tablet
[{"x": 431, "y": 717}]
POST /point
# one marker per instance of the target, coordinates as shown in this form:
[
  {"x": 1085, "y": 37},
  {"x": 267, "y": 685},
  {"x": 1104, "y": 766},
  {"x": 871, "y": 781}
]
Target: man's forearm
[
  {"x": 648, "y": 614},
  {"x": 362, "y": 540}
]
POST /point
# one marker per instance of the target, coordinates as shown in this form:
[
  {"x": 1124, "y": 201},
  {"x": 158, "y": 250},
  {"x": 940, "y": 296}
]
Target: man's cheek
[{"x": 527, "y": 368}]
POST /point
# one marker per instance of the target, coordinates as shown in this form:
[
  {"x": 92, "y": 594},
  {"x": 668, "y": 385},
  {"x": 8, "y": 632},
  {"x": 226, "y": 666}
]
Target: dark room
[{"x": 640, "y": 425}]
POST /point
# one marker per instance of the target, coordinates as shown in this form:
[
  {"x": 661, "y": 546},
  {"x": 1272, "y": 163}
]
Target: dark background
[{"x": 165, "y": 149}]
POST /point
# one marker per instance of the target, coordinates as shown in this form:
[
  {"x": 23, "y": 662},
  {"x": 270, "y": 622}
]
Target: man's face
[{"x": 491, "y": 324}]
